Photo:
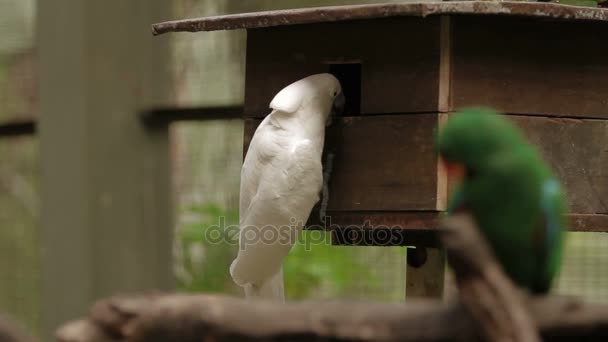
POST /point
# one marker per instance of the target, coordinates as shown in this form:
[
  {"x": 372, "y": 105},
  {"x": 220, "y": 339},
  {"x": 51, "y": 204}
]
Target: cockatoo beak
[{"x": 337, "y": 108}]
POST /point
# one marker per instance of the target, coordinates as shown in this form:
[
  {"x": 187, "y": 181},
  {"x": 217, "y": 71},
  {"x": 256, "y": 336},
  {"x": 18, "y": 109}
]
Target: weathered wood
[
  {"x": 164, "y": 116},
  {"x": 380, "y": 162},
  {"x": 425, "y": 273},
  {"x": 445, "y": 63},
  {"x": 405, "y": 220},
  {"x": 105, "y": 218},
  {"x": 419, "y": 224},
  {"x": 487, "y": 293},
  {"x": 341, "y": 13},
  {"x": 444, "y": 180},
  {"x": 588, "y": 223},
  {"x": 369, "y": 152},
  {"x": 384, "y": 237},
  {"x": 524, "y": 66},
  {"x": 577, "y": 152},
  {"x": 203, "y": 317},
  {"x": 383, "y": 163},
  {"x": 401, "y": 77},
  {"x": 382, "y": 228}
]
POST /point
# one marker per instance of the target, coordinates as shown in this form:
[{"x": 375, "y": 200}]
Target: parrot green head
[{"x": 474, "y": 135}]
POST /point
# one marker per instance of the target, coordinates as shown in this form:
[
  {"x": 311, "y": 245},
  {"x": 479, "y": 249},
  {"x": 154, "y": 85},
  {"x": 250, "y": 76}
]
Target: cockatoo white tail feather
[{"x": 280, "y": 182}]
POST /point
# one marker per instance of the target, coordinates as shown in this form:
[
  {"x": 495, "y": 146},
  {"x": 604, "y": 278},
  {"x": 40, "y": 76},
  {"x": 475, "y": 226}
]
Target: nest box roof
[{"x": 355, "y": 12}]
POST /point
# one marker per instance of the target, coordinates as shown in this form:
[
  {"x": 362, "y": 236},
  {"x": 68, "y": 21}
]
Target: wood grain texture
[
  {"x": 577, "y": 150},
  {"x": 588, "y": 223},
  {"x": 425, "y": 279},
  {"x": 399, "y": 77},
  {"x": 383, "y": 163},
  {"x": 524, "y": 66},
  {"x": 382, "y": 10},
  {"x": 202, "y": 317},
  {"x": 380, "y": 162},
  {"x": 381, "y": 228},
  {"x": 372, "y": 181}
]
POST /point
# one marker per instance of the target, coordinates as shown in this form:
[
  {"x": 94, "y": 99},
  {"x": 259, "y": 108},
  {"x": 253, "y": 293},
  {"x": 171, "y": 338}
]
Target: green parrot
[{"x": 510, "y": 192}]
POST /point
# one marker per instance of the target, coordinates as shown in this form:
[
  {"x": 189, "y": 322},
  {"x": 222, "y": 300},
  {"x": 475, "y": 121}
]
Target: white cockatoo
[{"x": 281, "y": 179}]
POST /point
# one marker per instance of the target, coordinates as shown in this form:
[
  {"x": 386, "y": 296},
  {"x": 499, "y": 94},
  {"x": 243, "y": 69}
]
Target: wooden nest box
[{"x": 405, "y": 66}]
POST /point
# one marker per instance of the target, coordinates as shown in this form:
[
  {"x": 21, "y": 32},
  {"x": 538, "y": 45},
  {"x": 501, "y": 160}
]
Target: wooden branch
[
  {"x": 485, "y": 291},
  {"x": 205, "y": 317}
]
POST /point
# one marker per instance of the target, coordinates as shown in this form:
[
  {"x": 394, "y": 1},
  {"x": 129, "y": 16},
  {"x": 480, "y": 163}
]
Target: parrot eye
[{"x": 335, "y": 93}]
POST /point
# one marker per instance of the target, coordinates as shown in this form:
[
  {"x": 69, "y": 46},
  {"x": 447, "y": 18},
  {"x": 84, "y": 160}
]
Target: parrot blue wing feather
[
  {"x": 551, "y": 213},
  {"x": 548, "y": 234}
]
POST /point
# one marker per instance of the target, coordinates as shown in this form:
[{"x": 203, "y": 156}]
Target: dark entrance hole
[{"x": 349, "y": 75}]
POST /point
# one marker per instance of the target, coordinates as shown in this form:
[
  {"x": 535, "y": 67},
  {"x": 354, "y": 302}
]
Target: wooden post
[
  {"x": 105, "y": 216},
  {"x": 425, "y": 275},
  {"x": 425, "y": 272}
]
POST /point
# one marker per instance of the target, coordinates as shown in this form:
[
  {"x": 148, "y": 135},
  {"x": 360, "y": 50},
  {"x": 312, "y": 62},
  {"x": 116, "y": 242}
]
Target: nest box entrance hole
[{"x": 349, "y": 75}]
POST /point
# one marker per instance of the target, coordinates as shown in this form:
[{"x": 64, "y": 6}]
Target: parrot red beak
[{"x": 455, "y": 170}]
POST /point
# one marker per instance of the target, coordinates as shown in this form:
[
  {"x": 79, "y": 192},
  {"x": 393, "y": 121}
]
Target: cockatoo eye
[{"x": 335, "y": 93}]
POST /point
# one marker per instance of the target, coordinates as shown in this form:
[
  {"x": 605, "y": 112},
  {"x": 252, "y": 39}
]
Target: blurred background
[{"x": 205, "y": 158}]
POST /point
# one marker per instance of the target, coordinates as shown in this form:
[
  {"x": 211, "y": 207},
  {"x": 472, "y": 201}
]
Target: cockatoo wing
[{"x": 281, "y": 181}]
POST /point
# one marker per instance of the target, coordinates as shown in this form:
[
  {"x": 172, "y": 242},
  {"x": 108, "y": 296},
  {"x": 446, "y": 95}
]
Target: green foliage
[
  {"x": 314, "y": 265},
  {"x": 313, "y": 269},
  {"x": 204, "y": 250}
]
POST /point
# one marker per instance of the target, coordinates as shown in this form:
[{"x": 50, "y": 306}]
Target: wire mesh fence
[
  {"x": 19, "y": 253},
  {"x": 585, "y": 268}
]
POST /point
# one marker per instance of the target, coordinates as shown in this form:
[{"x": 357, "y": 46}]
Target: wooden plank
[
  {"x": 525, "y": 66},
  {"x": 397, "y": 77},
  {"x": 415, "y": 228},
  {"x": 445, "y": 64},
  {"x": 106, "y": 223},
  {"x": 381, "y": 237},
  {"x": 395, "y": 220},
  {"x": 382, "y": 228},
  {"x": 588, "y": 222},
  {"x": 577, "y": 150},
  {"x": 424, "y": 221},
  {"x": 163, "y": 116},
  {"x": 383, "y": 163},
  {"x": 425, "y": 272},
  {"x": 444, "y": 181},
  {"x": 382, "y": 10},
  {"x": 380, "y": 162}
]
